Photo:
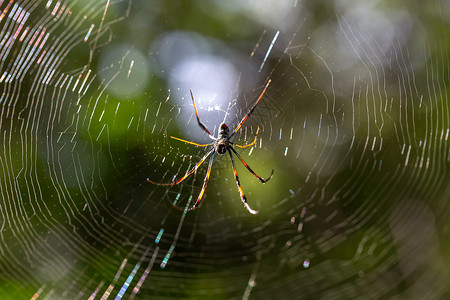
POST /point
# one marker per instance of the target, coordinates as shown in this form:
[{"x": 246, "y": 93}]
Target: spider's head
[{"x": 223, "y": 129}]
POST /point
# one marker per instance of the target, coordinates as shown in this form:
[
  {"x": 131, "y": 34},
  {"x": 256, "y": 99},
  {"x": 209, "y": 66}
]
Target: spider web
[{"x": 354, "y": 123}]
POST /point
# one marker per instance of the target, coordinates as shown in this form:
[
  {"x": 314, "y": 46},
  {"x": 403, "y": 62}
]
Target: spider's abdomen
[{"x": 221, "y": 147}]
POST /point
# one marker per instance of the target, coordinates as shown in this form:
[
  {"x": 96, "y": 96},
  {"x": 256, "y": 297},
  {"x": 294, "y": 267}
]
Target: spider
[{"x": 220, "y": 145}]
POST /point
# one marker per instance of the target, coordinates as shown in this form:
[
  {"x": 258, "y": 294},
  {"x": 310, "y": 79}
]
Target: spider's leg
[
  {"x": 205, "y": 182},
  {"x": 248, "y": 145},
  {"x": 252, "y": 109},
  {"x": 187, "y": 173},
  {"x": 238, "y": 183},
  {"x": 189, "y": 142},
  {"x": 200, "y": 124},
  {"x": 262, "y": 180}
]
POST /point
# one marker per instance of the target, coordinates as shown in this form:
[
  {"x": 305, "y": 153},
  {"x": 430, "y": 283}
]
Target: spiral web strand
[{"x": 355, "y": 124}]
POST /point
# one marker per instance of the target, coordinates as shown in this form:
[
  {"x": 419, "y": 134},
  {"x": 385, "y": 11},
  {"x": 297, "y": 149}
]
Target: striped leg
[
  {"x": 262, "y": 180},
  {"x": 241, "y": 192},
  {"x": 205, "y": 182},
  {"x": 252, "y": 109},
  {"x": 200, "y": 124},
  {"x": 187, "y": 173}
]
